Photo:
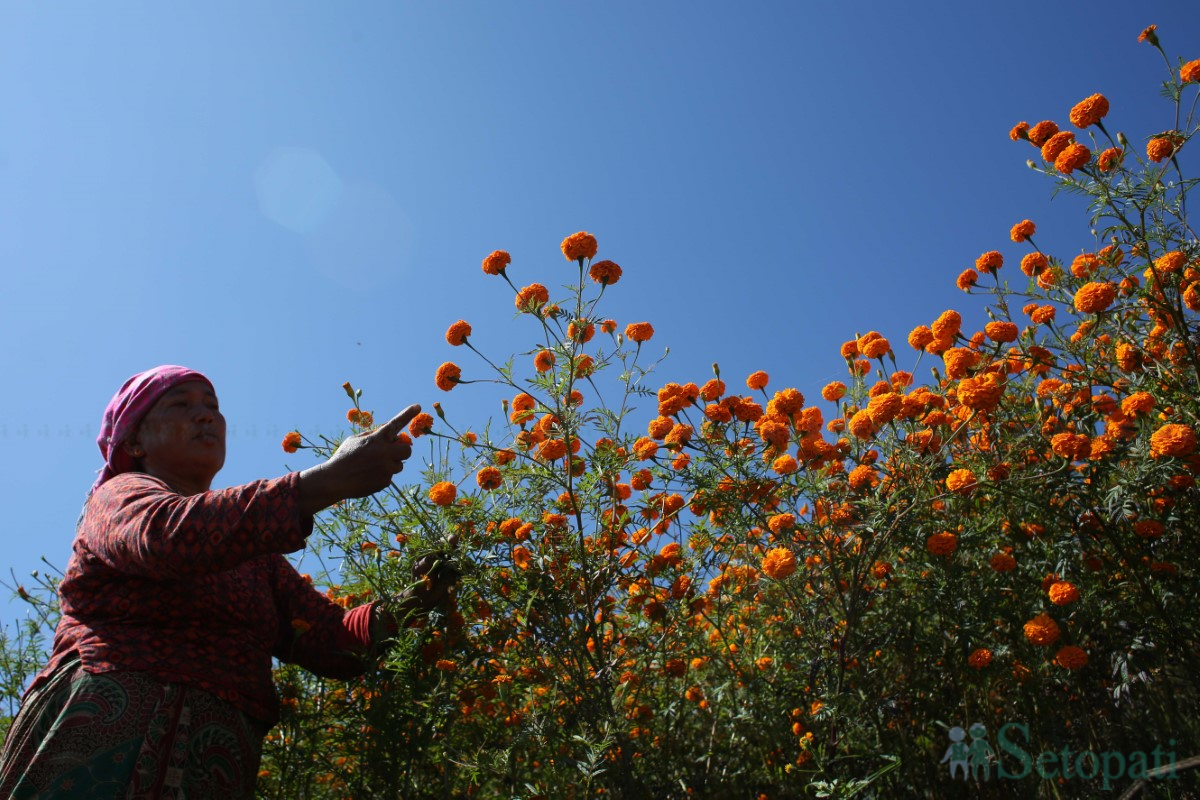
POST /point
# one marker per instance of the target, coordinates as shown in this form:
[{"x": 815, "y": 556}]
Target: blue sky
[{"x": 287, "y": 196}]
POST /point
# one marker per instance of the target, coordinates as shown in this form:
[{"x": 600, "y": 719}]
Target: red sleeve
[
  {"x": 315, "y": 632},
  {"x": 136, "y": 524}
]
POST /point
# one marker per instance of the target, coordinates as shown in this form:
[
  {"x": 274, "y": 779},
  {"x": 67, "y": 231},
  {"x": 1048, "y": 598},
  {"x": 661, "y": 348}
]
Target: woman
[{"x": 175, "y": 599}]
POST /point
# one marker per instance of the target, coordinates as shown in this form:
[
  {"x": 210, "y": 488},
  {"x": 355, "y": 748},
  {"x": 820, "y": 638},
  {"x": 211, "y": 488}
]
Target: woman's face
[{"x": 182, "y": 438}]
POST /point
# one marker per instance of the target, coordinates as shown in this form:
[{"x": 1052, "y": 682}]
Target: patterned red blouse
[{"x": 195, "y": 590}]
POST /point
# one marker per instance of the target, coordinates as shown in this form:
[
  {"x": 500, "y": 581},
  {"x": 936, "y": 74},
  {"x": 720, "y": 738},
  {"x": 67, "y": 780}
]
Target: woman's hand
[
  {"x": 435, "y": 577},
  {"x": 362, "y": 465}
]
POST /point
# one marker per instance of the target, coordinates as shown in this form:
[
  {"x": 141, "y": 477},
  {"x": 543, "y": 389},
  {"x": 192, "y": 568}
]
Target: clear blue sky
[{"x": 287, "y": 196}]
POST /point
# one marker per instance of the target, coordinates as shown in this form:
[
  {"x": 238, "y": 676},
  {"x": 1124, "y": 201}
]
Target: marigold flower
[
  {"x": 1071, "y": 657},
  {"x": 488, "y": 478},
  {"x": 579, "y": 246},
  {"x": 1022, "y": 230},
  {"x": 757, "y": 380},
  {"x": 544, "y": 361},
  {"x": 862, "y": 425},
  {"x": 1190, "y": 72},
  {"x": 448, "y": 375},
  {"x": 920, "y": 337},
  {"x": 532, "y": 296},
  {"x": 1092, "y": 298},
  {"x": 605, "y": 272},
  {"x": 1033, "y": 263},
  {"x": 1019, "y": 131},
  {"x": 520, "y": 557},
  {"x": 552, "y": 450},
  {"x": 1002, "y": 562},
  {"x": 1043, "y": 314},
  {"x": 713, "y": 389},
  {"x": 443, "y": 493},
  {"x": 989, "y": 262},
  {"x": 1173, "y": 440},
  {"x": 1056, "y": 144},
  {"x": 834, "y": 391},
  {"x": 1149, "y": 35},
  {"x": 421, "y": 424},
  {"x": 981, "y": 392},
  {"x": 1040, "y": 134},
  {"x": 785, "y": 465},
  {"x": 1089, "y": 111},
  {"x": 1042, "y": 630},
  {"x": 291, "y": 442},
  {"x": 457, "y": 333},
  {"x": 1170, "y": 262},
  {"x": 947, "y": 325},
  {"x": 1072, "y": 158},
  {"x": 1000, "y": 331},
  {"x": 1149, "y": 528},
  {"x": 966, "y": 279},
  {"x": 1075, "y": 446},
  {"x": 873, "y": 345},
  {"x": 980, "y": 658},
  {"x": 779, "y": 563},
  {"x": 1110, "y": 159},
  {"x": 1160, "y": 148},
  {"x": 961, "y": 481},
  {"x": 639, "y": 332},
  {"x": 495, "y": 263},
  {"x": 608, "y": 325},
  {"x": 1063, "y": 593},
  {"x": 942, "y": 544}
]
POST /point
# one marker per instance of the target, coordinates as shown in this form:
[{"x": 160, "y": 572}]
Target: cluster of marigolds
[{"x": 739, "y": 546}]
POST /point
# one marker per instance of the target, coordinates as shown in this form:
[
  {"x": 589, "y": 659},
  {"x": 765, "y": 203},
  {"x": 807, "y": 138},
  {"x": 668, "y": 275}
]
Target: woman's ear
[{"x": 132, "y": 447}]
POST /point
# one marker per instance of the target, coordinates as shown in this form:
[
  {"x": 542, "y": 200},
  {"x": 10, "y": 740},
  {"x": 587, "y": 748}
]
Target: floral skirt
[{"x": 128, "y": 735}]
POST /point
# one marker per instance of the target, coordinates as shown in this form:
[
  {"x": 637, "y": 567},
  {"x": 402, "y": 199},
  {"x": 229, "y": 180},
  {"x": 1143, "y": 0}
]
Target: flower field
[{"x": 765, "y": 591}]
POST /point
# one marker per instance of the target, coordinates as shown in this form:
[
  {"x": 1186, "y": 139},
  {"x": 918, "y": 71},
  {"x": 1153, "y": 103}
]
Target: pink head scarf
[{"x": 126, "y": 410}]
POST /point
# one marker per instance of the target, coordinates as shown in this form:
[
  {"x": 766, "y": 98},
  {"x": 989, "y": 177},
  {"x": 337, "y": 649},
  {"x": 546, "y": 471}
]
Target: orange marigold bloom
[
  {"x": 1042, "y": 630},
  {"x": 1190, "y": 72},
  {"x": 639, "y": 332},
  {"x": 834, "y": 391},
  {"x": 1040, "y": 134},
  {"x": 503, "y": 457},
  {"x": 1149, "y": 35},
  {"x": 873, "y": 345},
  {"x": 421, "y": 424},
  {"x": 1084, "y": 264},
  {"x": 520, "y": 557},
  {"x": 448, "y": 375},
  {"x": 785, "y": 465},
  {"x": 863, "y": 476},
  {"x": 291, "y": 442},
  {"x": 779, "y": 563},
  {"x": 1063, "y": 593},
  {"x": 457, "y": 333},
  {"x": 659, "y": 427},
  {"x": 488, "y": 478},
  {"x": 757, "y": 380},
  {"x": 1019, "y": 131},
  {"x": 966, "y": 279},
  {"x": 1072, "y": 158},
  {"x": 1022, "y": 230},
  {"x": 443, "y": 493},
  {"x": 1137, "y": 403},
  {"x": 947, "y": 325},
  {"x": 1002, "y": 562},
  {"x": 581, "y": 331},
  {"x": 786, "y": 403},
  {"x": 961, "y": 481},
  {"x": 532, "y": 296},
  {"x": 919, "y": 337},
  {"x": 980, "y": 658},
  {"x": 989, "y": 262},
  {"x": 1149, "y": 528},
  {"x": 862, "y": 425},
  {"x": 1043, "y": 314},
  {"x": 713, "y": 389},
  {"x": 1092, "y": 298},
  {"x": 1075, "y": 446},
  {"x": 1170, "y": 262},
  {"x": 552, "y": 450},
  {"x": 981, "y": 392},
  {"x": 1033, "y": 263},
  {"x": 1071, "y": 657},
  {"x": 942, "y": 544},
  {"x": 543, "y": 361},
  {"x": 1089, "y": 111},
  {"x": 1173, "y": 440},
  {"x": 1056, "y": 144},
  {"x": 579, "y": 246},
  {"x": 605, "y": 272},
  {"x": 496, "y": 262},
  {"x": 1160, "y": 148},
  {"x": 1110, "y": 159},
  {"x": 999, "y": 331}
]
